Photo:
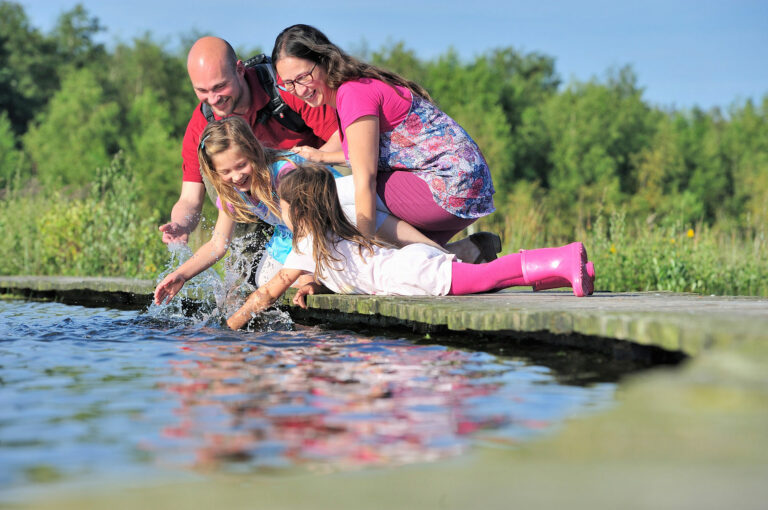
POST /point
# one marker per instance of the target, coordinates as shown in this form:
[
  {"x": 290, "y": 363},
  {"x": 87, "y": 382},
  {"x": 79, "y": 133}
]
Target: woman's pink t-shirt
[{"x": 368, "y": 96}]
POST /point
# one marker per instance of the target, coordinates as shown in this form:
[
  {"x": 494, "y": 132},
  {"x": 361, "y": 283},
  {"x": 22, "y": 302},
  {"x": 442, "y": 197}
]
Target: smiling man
[{"x": 228, "y": 87}]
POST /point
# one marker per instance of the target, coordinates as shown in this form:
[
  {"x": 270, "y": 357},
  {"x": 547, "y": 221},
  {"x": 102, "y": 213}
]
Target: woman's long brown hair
[
  {"x": 220, "y": 136},
  {"x": 308, "y": 43},
  {"x": 315, "y": 210}
]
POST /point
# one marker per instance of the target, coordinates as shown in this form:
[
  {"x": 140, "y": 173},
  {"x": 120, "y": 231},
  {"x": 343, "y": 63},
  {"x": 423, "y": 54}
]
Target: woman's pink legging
[
  {"x": 506, "y": 271},
  {"x": 409, "y": 197}
]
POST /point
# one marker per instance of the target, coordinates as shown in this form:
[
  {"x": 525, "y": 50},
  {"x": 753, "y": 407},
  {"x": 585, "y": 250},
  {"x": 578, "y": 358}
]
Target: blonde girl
[
  {"x": 340, "y": 258},
  {"x": 246, "y": 175}
]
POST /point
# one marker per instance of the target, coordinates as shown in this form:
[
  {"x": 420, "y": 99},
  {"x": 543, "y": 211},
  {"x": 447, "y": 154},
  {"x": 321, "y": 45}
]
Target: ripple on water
[{"x": 88, "y": 391}]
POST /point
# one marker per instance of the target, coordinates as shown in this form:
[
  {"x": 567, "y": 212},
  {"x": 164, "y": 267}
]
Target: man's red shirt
[{"x": 321, "y": 121}]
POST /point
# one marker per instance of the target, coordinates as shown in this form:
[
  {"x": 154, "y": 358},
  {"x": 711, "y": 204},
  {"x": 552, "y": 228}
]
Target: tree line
[{"x": 570, "y": 151}]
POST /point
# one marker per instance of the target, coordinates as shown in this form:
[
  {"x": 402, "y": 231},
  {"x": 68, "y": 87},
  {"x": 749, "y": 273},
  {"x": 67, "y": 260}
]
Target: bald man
[{"x": 222, "y": 81}]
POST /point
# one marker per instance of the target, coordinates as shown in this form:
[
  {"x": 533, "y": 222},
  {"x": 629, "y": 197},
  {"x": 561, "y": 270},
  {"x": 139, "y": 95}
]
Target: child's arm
[
  {"x": 264, "y": 297},
  {"x": 309, "y": 289},
  {"x": 205, "y": 257}
]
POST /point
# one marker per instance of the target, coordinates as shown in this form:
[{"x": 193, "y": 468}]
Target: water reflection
[{"x": 314, "y": 398}]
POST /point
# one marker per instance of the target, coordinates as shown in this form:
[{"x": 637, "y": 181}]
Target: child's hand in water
[
  {"x": 169, "y": 287},
  {"x": 307, "y": 290}
]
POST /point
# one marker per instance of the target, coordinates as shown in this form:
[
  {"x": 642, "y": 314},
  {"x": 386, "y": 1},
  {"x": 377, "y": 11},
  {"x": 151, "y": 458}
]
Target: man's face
[{"x": 220, "y": 86}]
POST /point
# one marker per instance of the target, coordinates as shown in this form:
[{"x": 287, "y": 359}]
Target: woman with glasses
[{"x": 400, "y": 146}]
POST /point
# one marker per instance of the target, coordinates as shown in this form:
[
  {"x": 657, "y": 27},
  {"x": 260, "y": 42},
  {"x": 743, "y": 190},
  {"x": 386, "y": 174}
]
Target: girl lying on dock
[{"x": 327, "y": 245}]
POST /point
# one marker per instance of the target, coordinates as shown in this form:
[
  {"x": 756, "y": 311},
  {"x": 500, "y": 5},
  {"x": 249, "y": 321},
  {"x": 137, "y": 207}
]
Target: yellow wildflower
[
  {"x": 613, "y": 248},
  {"x": 690, "y": 232},
  {"x": 672, "y": 241}
]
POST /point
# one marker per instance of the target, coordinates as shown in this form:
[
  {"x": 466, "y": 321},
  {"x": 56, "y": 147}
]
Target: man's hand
[
  {"x": 308, "y": 289},
  {"x": 174, "y": 233},
  {"x": 185, "y": 213}
]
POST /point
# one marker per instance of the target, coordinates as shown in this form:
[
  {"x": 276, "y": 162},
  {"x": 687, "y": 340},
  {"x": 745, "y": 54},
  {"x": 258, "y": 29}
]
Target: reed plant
[
  {"x": 651, "y": 254},
  {"x": 100, "y": 231},
  {"x": 671, "y": 256}
]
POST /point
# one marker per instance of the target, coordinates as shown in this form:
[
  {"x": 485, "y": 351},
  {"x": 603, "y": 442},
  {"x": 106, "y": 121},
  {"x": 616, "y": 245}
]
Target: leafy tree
[
  {"x": 401, "y": 60},
  {"x": 9, "y": 156},
  {"x": 27, "y": 67},
  {"x": 73, "y": 38},
  {"x": 707, "y": 176},
  {"x": 152, "y": 151},
  {"x": 659, "y": 174},
  {"x": 32, "y": 63},
  {"x": 519, "y": 83},
  {"x": 745, "y": 149},
  {"x": 524, "y": 79},
  {"x": 470, "y": 94},
  {"x": 76, "y": 134},
  {"x": 594, "y": 131},
  {"x": 147, "y": 66},
  {"x": 526, "y": 82}
]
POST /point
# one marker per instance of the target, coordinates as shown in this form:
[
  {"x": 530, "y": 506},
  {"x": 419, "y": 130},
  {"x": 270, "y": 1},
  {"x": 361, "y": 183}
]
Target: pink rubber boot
[
  {"x": 568, "y": 263},
  {"x": 556, "y": 282}
]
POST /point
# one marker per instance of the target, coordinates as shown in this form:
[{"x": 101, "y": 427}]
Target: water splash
[
  {"x": 239, "y": 283},
  {"x": 195, "y": 299},
  {"x": 209, "y": 297}
]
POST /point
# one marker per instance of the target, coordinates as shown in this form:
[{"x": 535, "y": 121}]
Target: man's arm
[{"x": 185, "y": 213}]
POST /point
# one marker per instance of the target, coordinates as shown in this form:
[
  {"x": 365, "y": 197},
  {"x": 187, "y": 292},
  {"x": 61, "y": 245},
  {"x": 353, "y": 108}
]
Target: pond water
[{"x": 95, "y": 394}]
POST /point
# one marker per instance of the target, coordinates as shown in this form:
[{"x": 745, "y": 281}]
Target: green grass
[
  {"x": 103, "y": 233},
  {"x": 706, "y": 260},
  {"x": 106, "y": 232},
  {"x": 662, "y": 254}
]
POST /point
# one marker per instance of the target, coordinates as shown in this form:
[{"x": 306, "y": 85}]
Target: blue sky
[{"x": 685, "y": 52}]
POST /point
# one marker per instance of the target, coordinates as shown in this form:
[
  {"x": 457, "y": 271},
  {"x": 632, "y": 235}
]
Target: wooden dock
[
  {"x": 690, "y": 436},
  {"x": 688, "y": 323}
]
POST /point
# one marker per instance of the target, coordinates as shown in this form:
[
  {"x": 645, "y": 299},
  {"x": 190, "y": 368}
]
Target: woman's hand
[
  {"x": 319, "y": 155},
  {"x": 169, "y": 287},
  {"x": 308, "y": 153}
]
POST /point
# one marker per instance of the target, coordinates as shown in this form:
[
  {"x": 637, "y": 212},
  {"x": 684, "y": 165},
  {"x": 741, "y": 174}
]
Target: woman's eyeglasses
[{"x": 302, "y": 79}]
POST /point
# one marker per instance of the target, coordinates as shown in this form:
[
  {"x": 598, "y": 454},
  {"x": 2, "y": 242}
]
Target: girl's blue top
[{"x": 281, "y": 242}]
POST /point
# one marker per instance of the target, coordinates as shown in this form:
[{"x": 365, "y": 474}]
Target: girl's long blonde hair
[
  {"x": 221, "y": 135},
  {"x": 314, "y": 209}
]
